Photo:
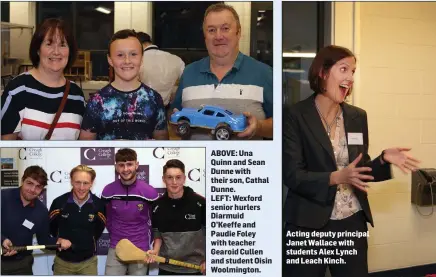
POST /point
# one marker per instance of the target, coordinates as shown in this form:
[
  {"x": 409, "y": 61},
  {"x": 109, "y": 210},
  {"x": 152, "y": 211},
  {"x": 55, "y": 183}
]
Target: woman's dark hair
[
  {"x": 326, "y": 58},
  {"x": 49, "y": 27}
]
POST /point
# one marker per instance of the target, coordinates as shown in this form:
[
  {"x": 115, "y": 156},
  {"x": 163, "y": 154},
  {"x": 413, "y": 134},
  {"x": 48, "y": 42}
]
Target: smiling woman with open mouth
[
  {"x": 41, "y": 103},
  {"x": 327, "y": 169}
]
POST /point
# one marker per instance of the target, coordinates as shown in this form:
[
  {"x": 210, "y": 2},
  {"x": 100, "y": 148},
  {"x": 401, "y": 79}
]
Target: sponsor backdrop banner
[{"x": 58, "y": 163}]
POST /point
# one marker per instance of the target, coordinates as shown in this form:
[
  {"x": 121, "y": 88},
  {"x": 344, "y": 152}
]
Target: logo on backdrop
[
  {"x": 97, "y": 156},
  {"x": 195, "y": 174},
  {"x": 30, "y": 153},
  {"x": 143, "y": 173},
  {"x": 103, "y": 244},
  {"x": 166, "y": 152},
  {"x": 59, "y": 176}
]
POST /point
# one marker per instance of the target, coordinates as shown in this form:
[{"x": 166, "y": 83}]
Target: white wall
[
  {"x": 23, "y": 13},
  {"x": 244, "y": 11},
  {"x": 133, "y": 15},
  {"x": 395, "y": 44}
]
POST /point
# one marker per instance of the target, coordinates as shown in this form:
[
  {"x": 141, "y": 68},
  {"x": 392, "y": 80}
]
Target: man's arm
[
  {"x": 43, "y": 231},
  {"x": 157, "y": 242},
  {"x": 265, "y": 128},
  {"x": 53, "y": 214},
  {"x": 13, "y": 136},
  {"x": 87, "y": 135},
  {"x": 160, "y": 135},
  {"x": 258, "y": 127}
]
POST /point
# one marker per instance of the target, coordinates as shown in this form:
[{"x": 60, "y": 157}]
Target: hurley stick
[
  {"x": 29, "y": 247},
  {"x": 128, "y": 252}
]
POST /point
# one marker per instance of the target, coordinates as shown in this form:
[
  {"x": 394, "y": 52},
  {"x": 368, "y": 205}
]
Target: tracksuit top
[
  {"x": 82, "y": 226},
  {"x": 128, "y": 212},
  {"x": 181, "y": 224}
]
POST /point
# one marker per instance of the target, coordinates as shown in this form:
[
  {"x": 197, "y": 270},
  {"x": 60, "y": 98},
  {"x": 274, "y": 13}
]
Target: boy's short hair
[{"x": 126, "y": 155}]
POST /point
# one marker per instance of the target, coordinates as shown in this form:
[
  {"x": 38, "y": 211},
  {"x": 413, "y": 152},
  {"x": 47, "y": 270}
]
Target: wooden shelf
[{"x": 82, "y": 67}]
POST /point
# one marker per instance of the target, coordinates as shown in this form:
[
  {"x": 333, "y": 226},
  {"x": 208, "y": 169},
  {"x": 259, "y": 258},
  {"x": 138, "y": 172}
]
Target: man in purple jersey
[{"x": 128, "y": 213}]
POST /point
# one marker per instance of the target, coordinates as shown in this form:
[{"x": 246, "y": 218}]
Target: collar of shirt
[
  {"x": 88, "y": 200},
  {"x": 205, "y": 66},
  {"x": 152, "y": 46}
]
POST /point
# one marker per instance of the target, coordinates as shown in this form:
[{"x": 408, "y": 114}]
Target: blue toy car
[{"x": 221, "y": 121}]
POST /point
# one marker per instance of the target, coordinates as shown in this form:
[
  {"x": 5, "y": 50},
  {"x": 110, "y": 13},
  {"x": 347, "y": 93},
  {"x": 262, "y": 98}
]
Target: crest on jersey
[{"x": 90, "y": 217}]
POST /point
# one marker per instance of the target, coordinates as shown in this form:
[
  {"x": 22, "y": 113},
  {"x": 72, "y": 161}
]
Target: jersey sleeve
[
  {"x": 105, "y": 198},
  {"x": 54, "y": 213},
  {"x": 150, "y": 194},
  {"x": 101, "y": 219},
  {"x": 155, "y": 221},
  {"x": 12, "y": 103}
]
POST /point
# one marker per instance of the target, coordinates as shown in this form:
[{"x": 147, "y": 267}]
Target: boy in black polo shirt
[
  {"x": 23, "y": 215},
  {"x": 179, "y": 223},
  {"x": 79, "y": 216}
]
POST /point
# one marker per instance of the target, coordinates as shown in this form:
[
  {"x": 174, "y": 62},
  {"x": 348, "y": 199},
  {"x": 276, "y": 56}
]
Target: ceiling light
[
  {"x": 298, "y": 55},
  {"x": 103, "y": 10}
]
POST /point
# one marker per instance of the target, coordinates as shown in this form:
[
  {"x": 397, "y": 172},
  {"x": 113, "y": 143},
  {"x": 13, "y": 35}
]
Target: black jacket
[
  {"x": 308, "y": 161},
  {"x": 82, "y": 226},
  {"x": 180, "y": 223}
]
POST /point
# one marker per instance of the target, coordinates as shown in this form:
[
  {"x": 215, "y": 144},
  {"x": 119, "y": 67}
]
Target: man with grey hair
[{"x": 227, "y": 78}]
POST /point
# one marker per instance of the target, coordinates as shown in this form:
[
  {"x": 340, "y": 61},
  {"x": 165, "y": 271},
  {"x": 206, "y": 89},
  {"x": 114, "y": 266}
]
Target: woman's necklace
[{"x": 328, "y": 126}]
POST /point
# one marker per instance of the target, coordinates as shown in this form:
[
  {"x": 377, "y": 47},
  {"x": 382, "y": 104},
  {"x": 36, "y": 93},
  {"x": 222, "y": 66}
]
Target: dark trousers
[
  {"x": 17, "y": 267},
  {"x": 314, "y": 261},
  {"x": 164, "y": 272}
]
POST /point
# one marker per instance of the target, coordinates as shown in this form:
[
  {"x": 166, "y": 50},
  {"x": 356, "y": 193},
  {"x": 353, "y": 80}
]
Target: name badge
[
  {"x": 355, "y": 139},
  {"x": 28, "y": 224}
]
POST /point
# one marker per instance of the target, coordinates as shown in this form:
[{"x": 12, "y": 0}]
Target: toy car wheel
[
  {"x": 223, "y": 132},
  {"x": 183, "y": 128}
]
